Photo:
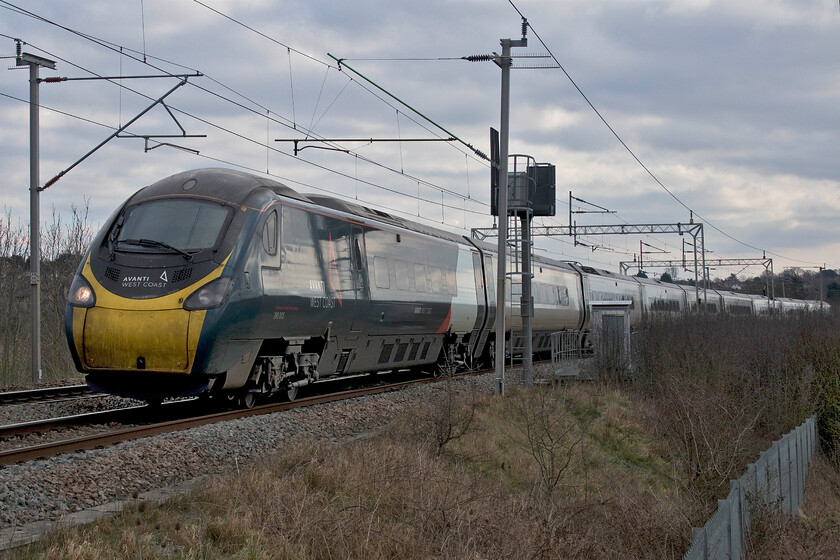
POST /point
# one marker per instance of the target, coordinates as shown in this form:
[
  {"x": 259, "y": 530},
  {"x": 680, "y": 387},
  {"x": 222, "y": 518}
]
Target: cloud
[{"x": 732, "y": 105}]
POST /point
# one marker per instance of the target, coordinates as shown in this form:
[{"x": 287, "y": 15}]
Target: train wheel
[
  {"x": 248, "y": 400},
  {"x": 289, "y": 393}
]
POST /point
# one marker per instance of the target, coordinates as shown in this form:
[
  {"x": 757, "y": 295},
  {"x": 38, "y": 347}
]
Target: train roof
[
  {"x": 229, "y": 185},
  {"x": 384, "y": 217},
  {"x": 236, "y": 187}
]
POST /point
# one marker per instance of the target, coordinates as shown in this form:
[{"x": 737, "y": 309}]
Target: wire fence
[{"x": 775, "y": 482}]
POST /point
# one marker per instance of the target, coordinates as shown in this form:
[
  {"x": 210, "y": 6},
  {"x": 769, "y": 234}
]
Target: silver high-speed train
[{"x": 221, "y": 282}]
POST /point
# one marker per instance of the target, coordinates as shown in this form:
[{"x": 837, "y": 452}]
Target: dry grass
[
  {"x": 484, "y": 495},
  {"x": 578, "y": 471},
  {"x": 814, "y": 534}
]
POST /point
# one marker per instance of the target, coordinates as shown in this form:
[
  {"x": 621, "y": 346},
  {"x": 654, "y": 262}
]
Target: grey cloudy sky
[{"x": 733, "y": 106}]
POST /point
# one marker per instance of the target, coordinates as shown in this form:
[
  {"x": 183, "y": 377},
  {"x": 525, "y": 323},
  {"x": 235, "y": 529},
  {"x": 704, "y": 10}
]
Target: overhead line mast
[
  {"x": 35, "y": 63},
  {"x": 504, "y": 62}
]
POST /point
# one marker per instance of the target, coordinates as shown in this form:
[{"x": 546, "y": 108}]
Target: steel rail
[
  {"x": 44, "y": 394},
  {"x": 46, "y": 450},
  {"x": 127, "y": 415}
]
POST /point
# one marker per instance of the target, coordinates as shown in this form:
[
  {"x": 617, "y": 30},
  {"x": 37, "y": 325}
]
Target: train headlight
[
  {"x": 210, "y": 295},
  {"x": 81, "y": 294}
]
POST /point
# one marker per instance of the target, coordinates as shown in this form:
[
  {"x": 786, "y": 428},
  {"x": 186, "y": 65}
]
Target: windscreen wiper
[
  {"x": 112, "y": 237},
  {"x": 156, "y": 243}
]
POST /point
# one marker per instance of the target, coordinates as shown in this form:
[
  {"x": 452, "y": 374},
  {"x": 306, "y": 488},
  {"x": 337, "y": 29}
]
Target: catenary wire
[
  {"x": 289, "y": 124},
  {"x": 636, "y": 158},
  {"x": 366, "y": 159}
]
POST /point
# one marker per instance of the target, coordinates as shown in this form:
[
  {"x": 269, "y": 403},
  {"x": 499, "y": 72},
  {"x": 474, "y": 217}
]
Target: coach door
[
  {"x": 490, "y": 301},
  {"x": 361, "y": 287},
  {"x": 479, "y": 334}
]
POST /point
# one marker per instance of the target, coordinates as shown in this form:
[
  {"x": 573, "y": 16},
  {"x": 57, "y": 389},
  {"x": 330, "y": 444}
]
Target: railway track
[
  {"x": 129, "y": 415},
  {"x": 93, "y": 441},
  {"x": 47, "y": 394}
]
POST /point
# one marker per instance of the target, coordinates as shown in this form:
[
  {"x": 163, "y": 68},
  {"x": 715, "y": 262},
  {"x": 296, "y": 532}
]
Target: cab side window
[{"x": 269, "y": 234}]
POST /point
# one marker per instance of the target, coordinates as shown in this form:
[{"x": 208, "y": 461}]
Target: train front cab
[{"x": 141, "y": 297}]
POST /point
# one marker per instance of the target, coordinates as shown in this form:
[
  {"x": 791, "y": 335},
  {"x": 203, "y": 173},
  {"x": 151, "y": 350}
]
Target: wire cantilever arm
[
  {"x": 342, "y": 64},
  {"x": 52, "y": 181}
]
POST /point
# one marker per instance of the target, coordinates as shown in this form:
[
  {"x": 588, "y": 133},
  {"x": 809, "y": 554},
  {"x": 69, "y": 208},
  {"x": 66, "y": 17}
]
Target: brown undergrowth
[
  {"x": 620, "y": 468},
  {"x": 503, "y": 489},
  {"x": 814, "y": 533}
]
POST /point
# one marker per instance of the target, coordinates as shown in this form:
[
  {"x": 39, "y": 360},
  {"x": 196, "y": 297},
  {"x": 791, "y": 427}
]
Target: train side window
[
  {"x": 403, "y": 279},
  {"x": 563, "y": 293},
  {"x": 436, "y": 281},
  {"x": 269, "y": 235},
  {"x": 444, "y": 281},
  {"x": 451, "y": 282},
  {"x": 420, "y": 277},
  {"x": 380, "y": 272}
]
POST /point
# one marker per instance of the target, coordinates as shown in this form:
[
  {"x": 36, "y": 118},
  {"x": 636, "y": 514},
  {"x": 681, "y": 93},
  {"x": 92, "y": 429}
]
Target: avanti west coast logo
[{"x": 145, "y": 281}]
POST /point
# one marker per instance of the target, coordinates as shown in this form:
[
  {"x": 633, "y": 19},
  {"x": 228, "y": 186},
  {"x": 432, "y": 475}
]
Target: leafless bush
[
  {"x": 721, "y": 388},
  {"x": 547, "y": 428},
  {"x": 62, "y": 247},
  {"x": 767, "y": 363},
  {"x": 708, "y": 438},
  {"x": 447, "y": 416},
  {"x": 14, "y": 283}
]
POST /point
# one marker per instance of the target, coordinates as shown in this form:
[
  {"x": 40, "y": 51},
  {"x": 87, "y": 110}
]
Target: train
[{"x": 218, "y": 282}]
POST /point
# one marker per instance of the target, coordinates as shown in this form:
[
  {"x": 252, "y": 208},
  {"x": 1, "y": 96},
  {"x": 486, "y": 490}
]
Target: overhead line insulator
[{"x": 478, "y": 58}]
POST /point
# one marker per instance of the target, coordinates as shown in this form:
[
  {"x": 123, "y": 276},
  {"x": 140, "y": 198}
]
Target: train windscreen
[{"x": 183, "y": 224}]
